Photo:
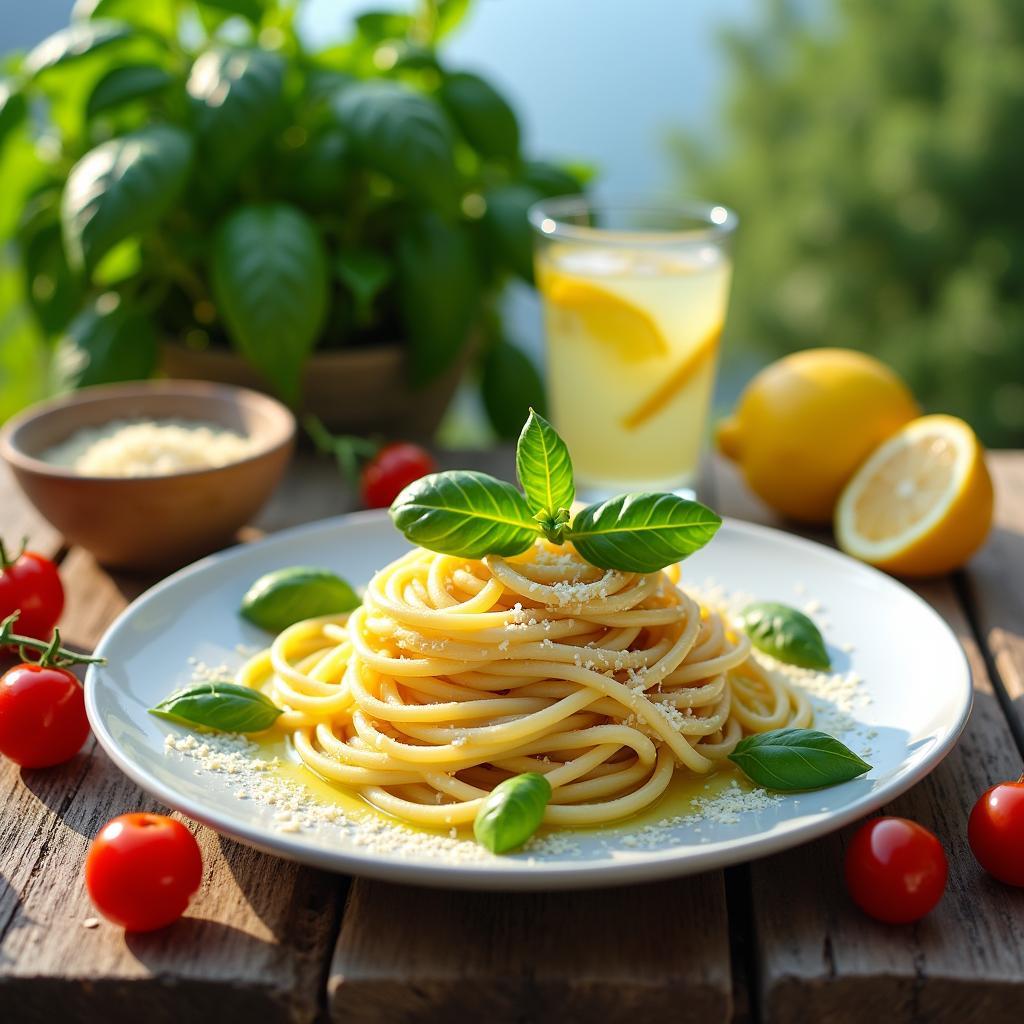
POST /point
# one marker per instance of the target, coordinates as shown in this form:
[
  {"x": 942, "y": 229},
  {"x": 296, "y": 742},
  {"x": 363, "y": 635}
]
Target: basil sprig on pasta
[{"x": 472, "y": 514}]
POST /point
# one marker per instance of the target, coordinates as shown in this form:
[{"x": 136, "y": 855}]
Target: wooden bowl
[{"x": 153, "y": 522}]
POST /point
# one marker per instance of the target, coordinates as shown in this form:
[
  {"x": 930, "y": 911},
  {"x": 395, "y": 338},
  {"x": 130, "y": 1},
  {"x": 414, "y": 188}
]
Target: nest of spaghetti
[{"x": 455, "y": 674}]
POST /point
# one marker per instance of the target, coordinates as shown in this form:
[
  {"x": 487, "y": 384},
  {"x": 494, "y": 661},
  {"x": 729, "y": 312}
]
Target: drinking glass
[{"x": 634, "y": 297}]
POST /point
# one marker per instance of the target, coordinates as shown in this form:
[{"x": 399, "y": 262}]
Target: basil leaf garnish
[
  {"x": 462, "y": 512},
  {"x": 642, "y": 532},
  {"x": 544, "y": 467},
  {"x": 220, "y": 705},
  {"x": 512, "y": 812},
  {"x": 281, "y": 598},
  {"x": 789, "y": 759},
  {"x": 786, "y": 634}
]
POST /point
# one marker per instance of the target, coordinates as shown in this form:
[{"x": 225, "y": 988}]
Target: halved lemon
[
  {"x": 921, "y": 505},
  {"x": 605, "y": 316}
]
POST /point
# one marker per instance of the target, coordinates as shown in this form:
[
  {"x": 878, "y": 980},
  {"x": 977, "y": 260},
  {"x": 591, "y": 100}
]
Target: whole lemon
[{"x": 804, "y": 425}]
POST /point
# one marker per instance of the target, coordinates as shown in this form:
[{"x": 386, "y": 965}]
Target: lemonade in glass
[{"x": 634, "y": 301}]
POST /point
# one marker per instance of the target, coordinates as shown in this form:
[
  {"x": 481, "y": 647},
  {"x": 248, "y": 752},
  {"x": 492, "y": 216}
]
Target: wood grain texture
[
  {"x": 254, "y": 944},
  {"x": 995, "y": 583},
  {"x": 263, "y": 937},
  {"x": 656, "y": 952},
  {"x": 820, "y": 959},
  {"x": 257, "y": 939},
  {"x": 414, "y": 954}
]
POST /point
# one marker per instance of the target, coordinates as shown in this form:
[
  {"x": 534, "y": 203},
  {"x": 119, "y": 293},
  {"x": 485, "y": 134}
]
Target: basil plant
[{"x": 191, "y": 171}]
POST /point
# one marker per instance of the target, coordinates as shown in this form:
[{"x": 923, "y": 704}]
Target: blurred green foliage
[
  {"x": 189, "y": 170},
  {"x": 875, "y": 157}
]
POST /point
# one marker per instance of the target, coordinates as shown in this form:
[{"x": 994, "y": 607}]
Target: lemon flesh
[
  {"x": 922, "y": 503},
  {"x": 630, "y": 332}
]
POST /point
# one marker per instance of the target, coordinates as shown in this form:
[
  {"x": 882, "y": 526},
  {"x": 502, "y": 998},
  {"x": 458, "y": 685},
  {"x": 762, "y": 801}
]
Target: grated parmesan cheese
[{"x": 135, "y": 448}]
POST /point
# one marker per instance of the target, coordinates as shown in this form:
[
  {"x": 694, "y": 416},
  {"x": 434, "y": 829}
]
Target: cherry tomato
[
  {"x": 996, "y": 832},
  {"x": 895, "y": 869},
  {"x": 392, "y": 469},
  {"x": 142, "y": 870},
  {"x": 42, "y": 715},
  {"x": 30, "y": 584}
]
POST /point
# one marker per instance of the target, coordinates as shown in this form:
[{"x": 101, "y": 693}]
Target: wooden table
[{"x": 268, "y": 941}]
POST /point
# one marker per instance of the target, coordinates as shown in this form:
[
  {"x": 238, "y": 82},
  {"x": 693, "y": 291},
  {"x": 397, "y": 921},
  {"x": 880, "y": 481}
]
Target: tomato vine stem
[{"x": 52, "y": 654}]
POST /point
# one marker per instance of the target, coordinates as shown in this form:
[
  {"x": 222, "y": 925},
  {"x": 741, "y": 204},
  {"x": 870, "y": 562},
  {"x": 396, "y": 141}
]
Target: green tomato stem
[
  {"x": 7, "y": 561},
  {"x": 53, "y": 655}
]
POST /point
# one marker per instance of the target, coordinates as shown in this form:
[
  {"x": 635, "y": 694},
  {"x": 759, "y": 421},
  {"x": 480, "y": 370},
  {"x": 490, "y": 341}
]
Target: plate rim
[{"x": 522, "y": 875}]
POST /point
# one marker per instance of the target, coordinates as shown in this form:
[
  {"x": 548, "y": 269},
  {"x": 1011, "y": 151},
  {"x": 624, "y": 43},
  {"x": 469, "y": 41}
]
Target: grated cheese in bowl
[{"x": 145, "y": 447}]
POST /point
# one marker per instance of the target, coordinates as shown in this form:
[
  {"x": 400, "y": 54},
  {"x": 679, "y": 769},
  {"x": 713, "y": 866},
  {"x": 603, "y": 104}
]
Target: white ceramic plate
[{"x": 910, "y": 708}]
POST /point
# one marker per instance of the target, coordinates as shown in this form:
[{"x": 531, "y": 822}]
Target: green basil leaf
[
  {"x": 507, "y": 229},
  {"x": 235, "y": 93},
  {"x": 12, "y": 110},
  {"x": 403, "y": 134},
  {"x": 281, "y": 598},
  {"x": 482, "y": 115},
  {"x": 104, "y": 344},
  {"x": 251, "y": 10},
  {"x": 270, "y": 283},
  {"x": 159, "y": 15},
  {"x": 786, "y": 634},
  {"x": 381, "y": 26},
  {"x": 318, "y": 174},
  {"x": 544, "y": 467},
  {"x": 448, "y": 15},
  {"x": 642, "y": 532},
  {"x": 510, "y": 386},
  {"x": 415, "y": 57},
  {"x": 788, "y": 759},
  {"x": 122, "y": 187},
  {"x": 550, "y": 179},
  {"x": 126, "y": 83},
  {"x": 119, "y": 264},
  {"x": 79, "y": 39},
  {"x": 53, "y": 291},
  {"x": 224, "y": 706},
  {"x": 512, "y": 812},
  {"x": 438, "y": 292},
  {"x": 365, "y": 273},
  {"x": 462, "y": 512}
]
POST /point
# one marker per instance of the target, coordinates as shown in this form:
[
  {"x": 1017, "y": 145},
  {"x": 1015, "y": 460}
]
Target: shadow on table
[
  {"x": 282, "y": 893},
  {"x": 10, "y": 904},
  {"x": 174, "y": 947},
  {"x": 57, "y": 787}
]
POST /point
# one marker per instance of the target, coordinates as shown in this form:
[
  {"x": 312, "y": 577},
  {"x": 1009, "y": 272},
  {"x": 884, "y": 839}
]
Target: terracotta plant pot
[{"x": 359, "y": 391}]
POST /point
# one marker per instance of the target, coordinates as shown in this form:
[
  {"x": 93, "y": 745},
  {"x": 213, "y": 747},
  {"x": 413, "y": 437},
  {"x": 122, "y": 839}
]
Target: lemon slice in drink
[
  {"x": 674, "y": 382},
  {"x": 921, "y": 505},
  {"x": 608, "y": 318}
]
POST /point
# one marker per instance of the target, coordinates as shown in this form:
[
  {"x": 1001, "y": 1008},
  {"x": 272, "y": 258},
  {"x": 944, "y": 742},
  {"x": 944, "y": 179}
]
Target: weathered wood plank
[
  {"x": 820, "y": 959},
  {"x": 995, "y": 582},
  {"x": 258, "y": 937},
  {"x": 539, "y": 957},
  {"x": 651, "y": 952},
  {"x": 255, "y": 941}
]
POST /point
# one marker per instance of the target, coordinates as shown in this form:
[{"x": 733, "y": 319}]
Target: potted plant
[{"x": 200, "y": 192}]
